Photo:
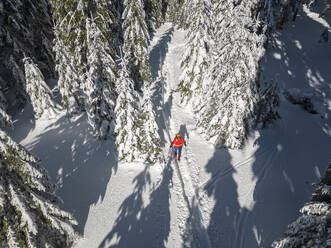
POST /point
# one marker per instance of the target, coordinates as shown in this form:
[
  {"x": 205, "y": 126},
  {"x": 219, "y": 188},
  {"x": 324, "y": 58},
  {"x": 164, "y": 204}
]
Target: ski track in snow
[
  {"x": 185, "y": 181},
  {"x": 223, "y": 173}
]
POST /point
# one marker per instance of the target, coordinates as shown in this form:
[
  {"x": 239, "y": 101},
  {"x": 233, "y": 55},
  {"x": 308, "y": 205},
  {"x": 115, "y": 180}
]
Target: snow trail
[{"x": 186, "y": 177}]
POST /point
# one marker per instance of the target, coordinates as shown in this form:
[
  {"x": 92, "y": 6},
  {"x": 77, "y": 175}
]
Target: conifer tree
[
  {"x": 233, "y": 92},
  {"x": 37, "y": 89},
  {"x": 107, "y": 17},
  {"x": 5, "y": 119},
  {"x": 135, "y": 46},
  {"x": 222, "y": 71},
  {"x": 174, "y": 11},
  {"x": 127, "y": 114},
  {"x": 71, "y": 50},
  {"x": 154, "y": 16},
  {"x": 29, "y": 215},
  {"x": 136, "y": 131},
  {"x": 99, "y": 86},
  {"x": 187, "y": 12},
  {"x": 196, "y": 58},
  {"x": 266, "y": 108},
  {"x": 149, "y": 140}
]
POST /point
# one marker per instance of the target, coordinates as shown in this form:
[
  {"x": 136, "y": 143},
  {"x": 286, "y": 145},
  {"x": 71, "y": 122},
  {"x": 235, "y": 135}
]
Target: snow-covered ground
[{"x": 211, "y": 198}]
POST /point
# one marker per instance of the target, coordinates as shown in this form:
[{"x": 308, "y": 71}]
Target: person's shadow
[{"x": 183, "y": 132}]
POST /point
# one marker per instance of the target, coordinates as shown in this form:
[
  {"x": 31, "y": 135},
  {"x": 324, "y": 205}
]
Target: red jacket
[{"x": 178, "y": 142}]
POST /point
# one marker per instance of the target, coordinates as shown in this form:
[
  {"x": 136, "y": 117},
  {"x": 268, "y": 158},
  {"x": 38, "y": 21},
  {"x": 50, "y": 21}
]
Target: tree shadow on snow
[
  {"x": 162, "y": 110},
  {"x": 158, "y": 53},
  {"x": 223, "y": 228},
  {"x": 291, "y": 156},
  {"x": 139, "y": 224},
  {"x": 79, "y": 164},
  {"x": 157, "y": 58},
  {"x": 283, "y": 168}
]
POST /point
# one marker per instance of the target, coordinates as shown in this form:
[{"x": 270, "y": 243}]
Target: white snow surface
[{"x": 212, "y": 197}]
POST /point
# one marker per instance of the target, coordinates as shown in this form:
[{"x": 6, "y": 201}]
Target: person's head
[{"x": 177, "y": 135}]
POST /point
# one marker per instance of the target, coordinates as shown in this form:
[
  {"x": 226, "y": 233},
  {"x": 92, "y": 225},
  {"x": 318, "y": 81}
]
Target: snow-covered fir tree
[
  {"x": 174, "y": 11},
  {"x": 266, "y": 108},
  {"x": 25, "y": 28},
  {"x": 232, "y": 92},
  {"x": 5, "y": 119},
  {"x": 224, "y": 70},
  {"x": 154, "y": 13},
  {"x": 41, "y": 96},
  {"x": 99, "y": 85},
  {"x": 71, "y": 50},
  {"x": 312, "y": 228},
  {"x": 29, "y": 215},
  {"x": 107, "y": 16},
  {"x": 136, "y": 38},
  {"x": 136, "y": 131},
  {"x": 69, "y": 80},
  {"x": 149, "y": 140},
  {"x": 186, "y": 14},
  {"x": 196, "y": 58},
  {"x": 127, "y": 114}
]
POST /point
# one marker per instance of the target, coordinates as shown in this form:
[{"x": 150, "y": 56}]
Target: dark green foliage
[{"x": 265, "y": 110}]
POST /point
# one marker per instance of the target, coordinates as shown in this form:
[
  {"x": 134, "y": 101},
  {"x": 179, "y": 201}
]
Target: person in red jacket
[{"x": 178, "y": 144}]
